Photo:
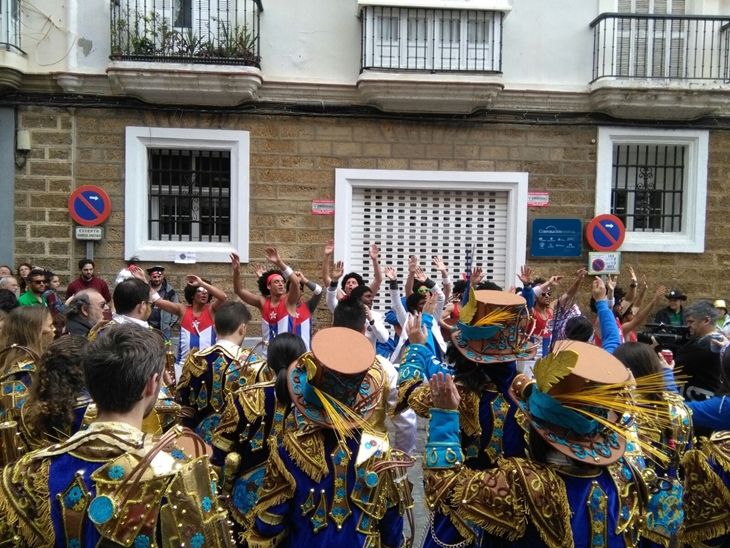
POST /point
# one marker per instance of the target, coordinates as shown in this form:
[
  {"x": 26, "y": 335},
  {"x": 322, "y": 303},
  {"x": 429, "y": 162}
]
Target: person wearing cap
[
  {"x": 333, "y": 481},
  {"x": 482, "y": 355},
  {"x": 160, "y": 319},
  {"x": 575, "y": 489},
  {"x": 674, "y": 313},
  {"x": 723, "y": 320}
]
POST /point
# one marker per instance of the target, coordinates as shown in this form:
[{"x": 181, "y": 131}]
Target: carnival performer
[
  {"x": 575, "y": 489},
  {"x": 197, "y": 317},
  {"x": 482, "y": 356},
  {"x": 209, "y": 374},
  {"x": 27, "y": 330},
  {"x": 333, "y": 480},
  {"x": 58, "y": 399},
  {"x": 278, "y": 306},
  {"x": 252, "y": 416},
  {"x": 113, "y": 485},
  {"x": 351, "y": 280}
]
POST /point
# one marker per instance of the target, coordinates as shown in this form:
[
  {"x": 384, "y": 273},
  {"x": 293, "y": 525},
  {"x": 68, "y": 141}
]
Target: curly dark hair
[
  {"x": 263, "y": 286},
  {"x": 189, "y": 292},
  {"x": 59, "y": 382},
  {"x": 354, "y": 275}
]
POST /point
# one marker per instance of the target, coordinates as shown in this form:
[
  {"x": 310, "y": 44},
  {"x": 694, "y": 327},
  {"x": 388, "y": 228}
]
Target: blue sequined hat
[
  {"x": 491, "y": 328},
  {"x": 570, "y": 432},
  {"x": 343, "y": 368}
]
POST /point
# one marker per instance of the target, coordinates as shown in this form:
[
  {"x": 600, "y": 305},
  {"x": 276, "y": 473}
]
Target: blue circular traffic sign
[
  {"x": 598, "y": 265},
  {"x": 606, "y": 233},
  {"x": 89, "y": 205}
]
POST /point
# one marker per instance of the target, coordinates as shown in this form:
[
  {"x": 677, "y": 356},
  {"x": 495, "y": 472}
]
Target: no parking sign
[
  {"x": 89, "y": 205},
  {"x": 606, "y": 233}
]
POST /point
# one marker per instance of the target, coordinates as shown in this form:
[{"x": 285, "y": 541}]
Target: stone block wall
[{"x": 293, "y": 160}]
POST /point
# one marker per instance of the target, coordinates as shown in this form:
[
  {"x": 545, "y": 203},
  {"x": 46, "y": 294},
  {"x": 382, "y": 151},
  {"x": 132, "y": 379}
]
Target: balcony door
[{"x": 651, "y": 48}]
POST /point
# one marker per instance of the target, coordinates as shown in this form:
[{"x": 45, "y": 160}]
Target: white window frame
[
  {"x": 692, "y": 237},
  {"x": 514, "y": 183},
  {"x": 136, "y": 190}
]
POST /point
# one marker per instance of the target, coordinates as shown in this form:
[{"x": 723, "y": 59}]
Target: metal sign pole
[{"x": 90, "y": 250}]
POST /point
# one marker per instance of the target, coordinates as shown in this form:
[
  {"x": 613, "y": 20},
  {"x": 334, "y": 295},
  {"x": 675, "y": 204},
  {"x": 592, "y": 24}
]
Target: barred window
[
  {"x": 655, "y": 181},
  {"x": 189, "y": 195},
  {"x": 648, "y": 186}
]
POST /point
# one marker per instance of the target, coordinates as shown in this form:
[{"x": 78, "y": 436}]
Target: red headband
[{"x": 271, "y": 277}]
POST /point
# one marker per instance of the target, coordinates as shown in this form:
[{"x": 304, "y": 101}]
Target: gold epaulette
[
  {"x": 253, "y": 399},
  {"x": 420, "y": 401},
  {"x": 718, "y": 447},
  {"x": 194, "y": 366},
  {"x": 23, "y": 366},
  {"x": 25, "y": 506},
  {"x": 98, "y": 328},
  {"x": 706, "y": 501}
]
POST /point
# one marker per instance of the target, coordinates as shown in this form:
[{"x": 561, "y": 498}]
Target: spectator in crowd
[
  {"x": 36, "y": 286},
  {"x": 53, "y": 301},
  {"x": 696, "y": 359},
  {"x": 10, "y": 283},
  {"x": 87, "y": 280},
  {"x": 85, "y": 310},
  {"x": 8, "y": 301},
  {"x": 723, "y": 320},
  {"x": 5, "y": 271},
  {"x": 22, "y": 273},
  {"x": 160, "y": 319},
  {"x": 674, "y": 313}
]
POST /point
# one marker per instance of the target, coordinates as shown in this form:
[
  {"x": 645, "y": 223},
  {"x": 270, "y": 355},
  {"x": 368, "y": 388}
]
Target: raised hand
[
  {"x": 610, "y": 283},
  {"x": 417, "y": 333},
  {"x": 476, "y": 276},
  {"x": 438, "y": 264},
  {"x": 236, "y": 262},
  {"x": 444, "y": 393},
  {"x": 390, "y": 273},
  {"x": 632, "y": 274},
  {"x": 259, "y": 270},
  {"x": 272, "y": 255},
  {"x": 374, "y": 251},
  {"x": 581, "y": 273},
  {"x": 554, "y": 280},
  {"x": 137, "y": 272},
  {"x": 525, "y": 275},
  {"x": 193, "y": 280},
  {"x": 660, "y": 292},
  {"x": 599, "y": 289},
  {"x": 412, "y": 263},
  {"x": 338, "y": 270},
  {"x": 430, "y": 305},
  {"x": 302, "y": 278},
  {"x": 420, "y": 274},
  {"x": 329, "y": 247}
]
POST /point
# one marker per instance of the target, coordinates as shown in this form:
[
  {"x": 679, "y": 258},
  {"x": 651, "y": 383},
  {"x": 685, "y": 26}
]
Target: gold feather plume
[
  {"x": 470, "y": 308},
  {"x": 554, "y": 367},
  {"x": 498, "y": 316}
]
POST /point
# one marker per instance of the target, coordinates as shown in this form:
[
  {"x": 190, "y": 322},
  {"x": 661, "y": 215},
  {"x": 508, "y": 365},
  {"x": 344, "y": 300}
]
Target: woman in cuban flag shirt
[{"x": 279, "y": 311}]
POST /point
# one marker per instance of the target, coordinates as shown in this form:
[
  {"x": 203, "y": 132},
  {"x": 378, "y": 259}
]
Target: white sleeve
[
  {"x": 381, "y": 332},
  {"x": 331, "y": 299},
  {"x": 440, "y": 303},
  {"x": 400, "y": 312},
  {"x": 405, "y": 423}
]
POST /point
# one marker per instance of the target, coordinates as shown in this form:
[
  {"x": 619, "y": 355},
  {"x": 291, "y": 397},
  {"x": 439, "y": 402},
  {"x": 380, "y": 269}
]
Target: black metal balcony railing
[
  {"x": 431, "y": 39},
  {"x": 671, "y": 47},
  {"x": 10, "y": 25},
  {"x": 191, "y": 31}
]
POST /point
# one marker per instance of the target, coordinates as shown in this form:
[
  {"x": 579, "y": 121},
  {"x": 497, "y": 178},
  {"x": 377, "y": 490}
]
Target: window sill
[
  {"x": 663, "y": 243},
  {"x": 205, "y": 252},
  {"x": 481, "y": 5}
]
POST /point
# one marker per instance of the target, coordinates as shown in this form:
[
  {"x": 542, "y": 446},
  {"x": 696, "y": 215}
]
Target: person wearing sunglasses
[{"x": 36, "y": 286}]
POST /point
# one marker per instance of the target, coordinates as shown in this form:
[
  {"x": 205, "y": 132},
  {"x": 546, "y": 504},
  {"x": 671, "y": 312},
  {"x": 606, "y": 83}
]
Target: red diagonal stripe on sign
[
  {"x": 88, "y": 204},
  {"x": 606, "y": 233}
]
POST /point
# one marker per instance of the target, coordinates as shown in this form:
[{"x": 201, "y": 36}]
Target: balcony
[
  {"x": 660, "y": 66},
  {"x": 12, "y": 58},
  {"x": 430, "y": 60},
  {"x": 203, "y": 52}
]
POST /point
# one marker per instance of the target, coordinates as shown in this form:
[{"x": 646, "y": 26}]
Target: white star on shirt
[{"x": 272, "y": 316}]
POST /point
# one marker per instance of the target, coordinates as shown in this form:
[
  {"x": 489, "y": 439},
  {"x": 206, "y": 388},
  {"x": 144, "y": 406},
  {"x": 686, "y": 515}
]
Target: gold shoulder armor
[
  {"x": 307, "y": 451},
  {"x": 706, "y": 500},
  {"x": 194, "y": 366},
  {"x": 25, "y": 511},
  {"x": 718, "y": 447}
]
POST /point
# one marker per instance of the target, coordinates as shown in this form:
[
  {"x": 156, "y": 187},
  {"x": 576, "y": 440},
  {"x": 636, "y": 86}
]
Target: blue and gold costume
[
  {"x": 241, "y": 445},
  {"x": 32, "y": 440},
  {"x": 15, "y": 383},
  {"x": 333, "y": 479},
  {"x": 208, "y": 375},
  {"x": 111, "y": 485},
  {"x": 707, "y": 493}
]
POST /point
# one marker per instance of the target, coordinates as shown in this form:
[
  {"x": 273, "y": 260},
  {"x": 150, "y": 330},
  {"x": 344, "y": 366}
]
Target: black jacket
[
  {"x": 702, "y": 366},
  {"x": 665, "y": 313},
  {"x": 77, "y": 325}
]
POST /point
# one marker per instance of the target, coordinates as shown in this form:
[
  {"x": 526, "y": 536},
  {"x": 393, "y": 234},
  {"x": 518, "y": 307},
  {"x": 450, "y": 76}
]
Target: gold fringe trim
[
  {"x": 252, "y": 540},
  {"x": 307, "y": 451},
  {"x": 703, "y": 484},
  {"x": 194, "y": 366},
  {"x": 34, "y": 531}
]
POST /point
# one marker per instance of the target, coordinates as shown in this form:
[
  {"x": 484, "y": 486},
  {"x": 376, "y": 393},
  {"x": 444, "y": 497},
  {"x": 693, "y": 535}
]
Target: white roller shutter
[{"x": 410, "y": 221}]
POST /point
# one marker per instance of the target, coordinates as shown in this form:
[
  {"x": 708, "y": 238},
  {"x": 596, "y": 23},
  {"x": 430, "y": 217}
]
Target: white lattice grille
[{"x": 406, "y": 222}]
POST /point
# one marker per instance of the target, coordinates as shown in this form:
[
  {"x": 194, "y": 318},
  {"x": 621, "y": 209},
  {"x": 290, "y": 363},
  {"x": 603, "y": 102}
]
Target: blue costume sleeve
[
  {"x": 609, "y": 330},
  {"x": 670, "y": 384},
  {"x": 443, "y": 449},
  {"x": 712, "y": 413},
  {"x": 271, "y": 528},
  {"x": 528, "y": 293},
  {"x": 428, "y": 322},
  {"x": 418, "y": 365},
  {"x": 391, "y": 528}
]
